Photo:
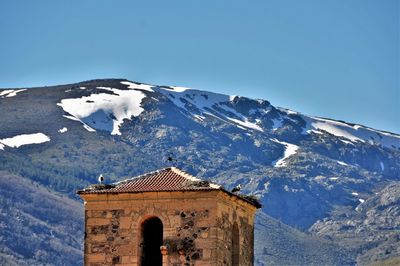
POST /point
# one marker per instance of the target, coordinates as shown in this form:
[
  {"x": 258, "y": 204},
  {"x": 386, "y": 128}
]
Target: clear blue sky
[{"x": 337, "y": 59}]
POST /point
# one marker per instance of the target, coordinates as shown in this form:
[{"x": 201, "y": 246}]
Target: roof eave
[{"x": 89, "y": 192}]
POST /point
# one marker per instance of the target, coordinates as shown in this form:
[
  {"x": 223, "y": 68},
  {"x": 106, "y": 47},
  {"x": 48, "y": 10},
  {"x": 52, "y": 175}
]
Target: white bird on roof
[
  {"x": 236, "y": 189},
  {"x": 101, "y": 179}
]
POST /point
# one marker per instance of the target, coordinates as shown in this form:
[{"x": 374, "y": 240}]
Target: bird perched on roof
[
  {"x": 236, "y": 189},
  {"x": 101, "y": 179}
]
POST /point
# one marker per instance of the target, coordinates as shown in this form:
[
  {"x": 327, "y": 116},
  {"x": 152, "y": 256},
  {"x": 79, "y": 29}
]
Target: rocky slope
[
  {"x": 373, "y": 227},
  {"x": 304, "y": 169}
]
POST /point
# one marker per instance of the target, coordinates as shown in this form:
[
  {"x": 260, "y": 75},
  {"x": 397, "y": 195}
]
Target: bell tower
[{"x": 167, "y": 217}]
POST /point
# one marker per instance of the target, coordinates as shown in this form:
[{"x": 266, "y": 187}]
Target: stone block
[
  {"x": 204, "y": 263},
  {"x": 125, "y": 222},
  {"x": 206, "y": 243},
  {"x": 90, "y": 258},
  {"x": 207, "y": 253},
  {"x": 126, "y": 259},
  {"x": 97, "y": 237},
  {"x": 97, "y": 221},
  {"x": 206, "y": 222},
  {"x": 125, "y": 250},
  {"x": 213, "y": 232}
]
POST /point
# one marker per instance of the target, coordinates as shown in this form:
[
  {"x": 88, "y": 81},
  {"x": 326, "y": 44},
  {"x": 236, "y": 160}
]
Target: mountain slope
[
  {"x": 303, "y": 169},
  {"x": 36, "y": 224},
  {"x": 272, "y": 237}
]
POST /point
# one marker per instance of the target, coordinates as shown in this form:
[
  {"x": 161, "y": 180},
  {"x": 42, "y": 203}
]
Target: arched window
[
  {"x": 151, "y": 240},
  {"x": 235, "y": 245}
]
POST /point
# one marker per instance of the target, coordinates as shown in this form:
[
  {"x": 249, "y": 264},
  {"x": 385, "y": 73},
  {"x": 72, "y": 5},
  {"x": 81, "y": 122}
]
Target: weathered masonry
[{"x": 167, "y": 217}]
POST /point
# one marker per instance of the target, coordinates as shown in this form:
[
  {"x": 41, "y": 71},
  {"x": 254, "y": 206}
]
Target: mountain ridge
[{"x": 166, "y": 86}]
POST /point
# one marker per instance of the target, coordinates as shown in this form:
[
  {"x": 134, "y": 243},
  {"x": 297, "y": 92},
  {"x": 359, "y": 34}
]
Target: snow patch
[
  {"x": 138, "y": 86},
  {"x": 313, "y": 131},
  {"x": 198, "y": 103},
  {"x": 24, "y": 139},
  {"x": 232, "y": 97},
  {"x": 71, "y": 117},
  {"x": 346, "y": 141},
  {"x": 88, "y": 128},
  {"x": 63, "y": 130},
  {"x": 290, "y": 149},
  {"x": 199, "y": 117},
  {"x": 175, "y": 89},
  {"x": 287, "y": 111},
  {"x": 335, "y": 129},
  {"x": 244, "y": 120},
  {"x": 179, "y": 89},
  {"x": 352, "y": 133},
  {"x": 246, "y": 124},
  {"x": 10, "y": 93},
  {"x": 243, "y": 128},
  {"x": 104, "y": 111}
]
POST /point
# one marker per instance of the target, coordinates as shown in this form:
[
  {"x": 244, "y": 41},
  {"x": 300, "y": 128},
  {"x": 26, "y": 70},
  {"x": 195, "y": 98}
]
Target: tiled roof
[{"x": 167, "y": 179}]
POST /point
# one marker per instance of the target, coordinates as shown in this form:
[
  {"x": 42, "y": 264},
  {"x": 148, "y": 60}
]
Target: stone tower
[{"x": 167, "y": 217}]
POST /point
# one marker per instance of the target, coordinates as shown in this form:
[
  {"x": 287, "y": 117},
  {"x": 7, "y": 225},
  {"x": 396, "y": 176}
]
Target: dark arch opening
[
  {"x": 235, "y": 245},
  {"x": 152, "y": 239}
]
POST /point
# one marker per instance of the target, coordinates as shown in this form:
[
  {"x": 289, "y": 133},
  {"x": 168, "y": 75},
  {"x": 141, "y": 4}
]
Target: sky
[{"x": 334, "y": 58}]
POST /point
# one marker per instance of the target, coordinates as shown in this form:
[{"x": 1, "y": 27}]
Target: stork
[
  {"x": 236, "y": 189},
  {"x": 101, "y": 179}
]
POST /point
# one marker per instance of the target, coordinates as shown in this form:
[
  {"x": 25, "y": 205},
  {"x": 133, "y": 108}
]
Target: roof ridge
[
  {"x": 184, "y": 174},
  {"x": 173, "y": 169},
  {"x": 143, "y": 175},
  {"x": 194, "y": 178}
]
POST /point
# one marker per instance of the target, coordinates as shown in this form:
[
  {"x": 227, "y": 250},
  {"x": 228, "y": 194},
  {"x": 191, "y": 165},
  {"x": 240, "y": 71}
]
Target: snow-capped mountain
[
  {"x": 302, "y": 168},
  {"x": 106, "y": 108}
]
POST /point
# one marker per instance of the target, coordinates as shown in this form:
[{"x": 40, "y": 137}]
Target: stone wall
[
  {"x": 197, "y": 227},
  {"x": 231, "y": 211}
]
